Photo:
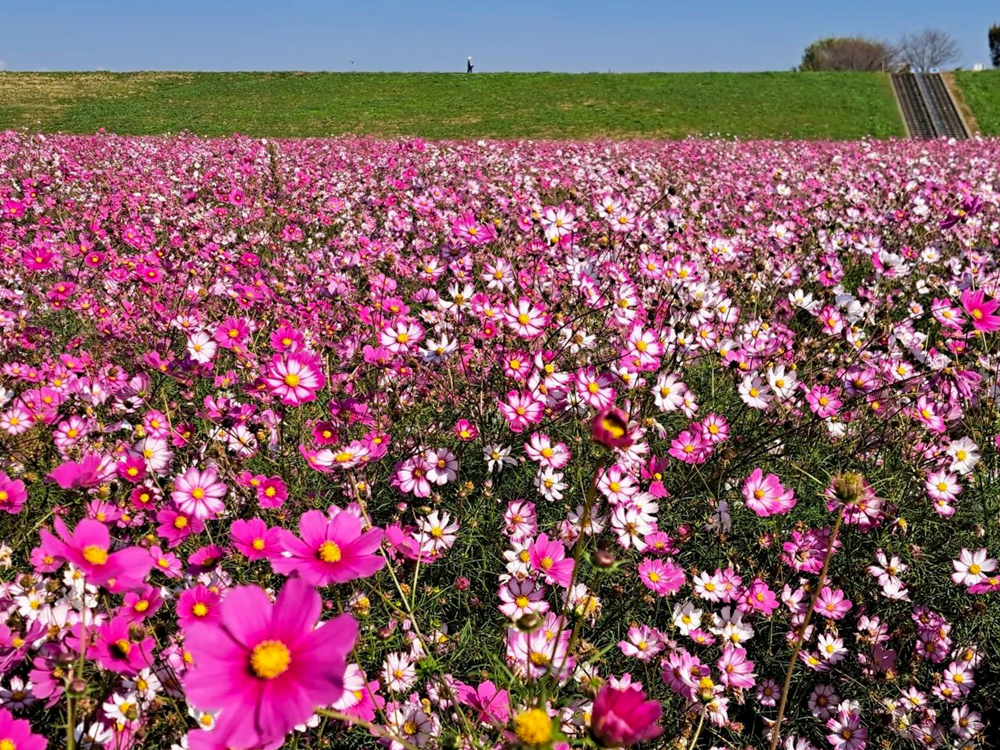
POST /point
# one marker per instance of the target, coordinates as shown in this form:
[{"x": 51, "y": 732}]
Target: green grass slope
[
  {"x": 982, "y": 94},
  {"x": 442, "y": 106}
]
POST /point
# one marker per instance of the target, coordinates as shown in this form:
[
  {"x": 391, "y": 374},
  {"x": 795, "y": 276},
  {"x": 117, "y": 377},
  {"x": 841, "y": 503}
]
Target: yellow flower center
[
  {"x": 257, "y": 544},
  {"x": 7, "y": 745},
  {"x": 141, "y": 606},
  {"x": 291, "y": 380},
  {"x": 975, "y": 569},
  {"x": 329, "y": 552},
  {"x": 521, "y": 601},
  {"x": 95, "y": 555},
  {"x": 269, "y": 659},
  {"x": 199, "y": 610},
  {"x": 197, "y": 493}
]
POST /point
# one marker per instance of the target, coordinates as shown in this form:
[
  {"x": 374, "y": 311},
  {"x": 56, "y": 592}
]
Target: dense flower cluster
[{"x": 498, "y": 445}]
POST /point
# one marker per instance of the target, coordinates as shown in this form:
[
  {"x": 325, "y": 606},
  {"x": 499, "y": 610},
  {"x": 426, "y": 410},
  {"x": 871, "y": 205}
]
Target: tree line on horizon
[{"x": 930, "y": 48}]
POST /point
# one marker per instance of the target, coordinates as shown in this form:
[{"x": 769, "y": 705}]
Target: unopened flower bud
[
  {"x": 848, "y": 486},
  {"x": 603, "y": 559},
  {"x": 528, "y": 622},
  {"x": 77, "y": 686}
]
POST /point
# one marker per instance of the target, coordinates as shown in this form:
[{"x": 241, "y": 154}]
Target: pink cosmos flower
[
  {"x": 197, "y": 605},
  {"x": 624, "y": 717},
  {"x": 16, "y": 734},
  {"x": 757, "y": 597},
  {"x": 980, "y": 311},
  {"x": 401, "y": 336},
  {"x": 254, "y": 539},
  {"x": 117, "y": 649},
  {"x": 690, "y": 447},
  {"x": 79, "y": 475},
  {"x": 295, "y": 377},
  {"x": 471, "y": 231},
  {"x": 272, "y": 492},
  {"x": 465, "y": 431},
  {"x": 540, "y": 449},
  {"x": 610, "y": 428},
  {"x": 972, "y": 568},
  {"x": 735, "y": 669},
  {"x": 132, "y": 468},
  {"x": 87, "y": 547},
  {"x": 832, "y": 603},
  {"x": 266, "y": 667},
  {"x": 330, "y": 551},
  {"x": 199, "y": 494},
  {"x": 715, "y": 428},
  {"x": 765, "y": 496},
  {"x": 412, "y": 476},
  {"x": 644, "y": 643},
  {"x": 12, "y": 494},
  {"x": 549, "y": 559},
  {"x": 527, "y": 320},
  {"x": 519, "y": 598},
  {"x": 846, "y": 732},
  {"x": 492, "y": 706},
  {"x": 824, "y": 401},
  {"x": 521, "y": 410},
  {"x": 175, "y": 527},
  {"x": 663, "y": 578}
]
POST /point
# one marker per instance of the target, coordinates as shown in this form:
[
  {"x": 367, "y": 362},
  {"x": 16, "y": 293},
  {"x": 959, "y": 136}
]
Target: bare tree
[
  {"x": 931, "y": 48},
  {"x": 849, "y": 53}
]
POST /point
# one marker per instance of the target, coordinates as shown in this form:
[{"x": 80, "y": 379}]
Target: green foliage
[
  {"x": 848, "y": 54},
  {"x": 454, "y": 106},
  {"x": 982, "y": 94}
]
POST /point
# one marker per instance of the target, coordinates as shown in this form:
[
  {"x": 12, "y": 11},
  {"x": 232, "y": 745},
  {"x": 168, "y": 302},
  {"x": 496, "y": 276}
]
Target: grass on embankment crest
[{"x": 838, "y": 106}]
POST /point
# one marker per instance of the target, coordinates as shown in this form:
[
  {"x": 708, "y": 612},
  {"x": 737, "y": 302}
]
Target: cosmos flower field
[{"x": 355, "y": 443}]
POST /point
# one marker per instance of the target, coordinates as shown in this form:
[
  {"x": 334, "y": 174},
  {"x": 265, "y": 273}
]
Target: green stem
[
  {"x": 697, "y": 732},
  {"x": 776, "y": 732}
]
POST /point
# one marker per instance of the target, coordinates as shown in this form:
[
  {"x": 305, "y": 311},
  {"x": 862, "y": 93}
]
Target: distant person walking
[{"x": 468, "y": 65}]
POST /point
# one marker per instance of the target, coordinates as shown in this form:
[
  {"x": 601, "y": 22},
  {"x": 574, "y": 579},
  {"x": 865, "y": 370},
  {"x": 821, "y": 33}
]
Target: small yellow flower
[{"x": 533, "y": 727}]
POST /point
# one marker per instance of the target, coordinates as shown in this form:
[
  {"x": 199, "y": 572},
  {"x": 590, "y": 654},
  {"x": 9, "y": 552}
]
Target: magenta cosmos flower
[
  {"x": 330, "y": 551},
  {"x": 16, "y": 734},
  {"x": 610, "y": 429},
  {"x": 12, "y": 494},
  {"x": 88, "y": 548},
  {"x": 295, "y": 377},
  {"x": 624, "y": 717},
  {"x": 73, "y": 475},
  {"x": 980, "y": 312},
  {"x": 766, "y": 496},
  {"x": 267, "y": 667},
  {"x": 548, "y": 557},
  {"x": 199, "y": 494}
]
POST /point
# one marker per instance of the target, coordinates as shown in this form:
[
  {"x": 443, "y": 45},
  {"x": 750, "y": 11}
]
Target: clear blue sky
[{"x": 437, "y": 35}]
